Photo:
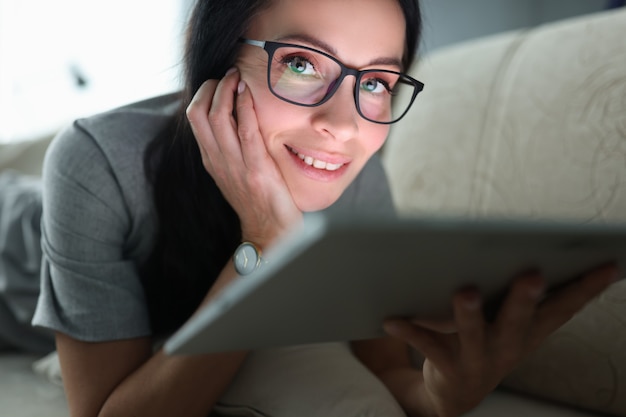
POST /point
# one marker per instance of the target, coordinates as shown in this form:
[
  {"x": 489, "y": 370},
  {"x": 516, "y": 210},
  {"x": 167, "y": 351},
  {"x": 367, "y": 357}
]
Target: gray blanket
[{"x": 20, "y": 259}]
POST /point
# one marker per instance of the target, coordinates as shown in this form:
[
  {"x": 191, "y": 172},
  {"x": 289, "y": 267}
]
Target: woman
[{"x": 127, "y": 260}]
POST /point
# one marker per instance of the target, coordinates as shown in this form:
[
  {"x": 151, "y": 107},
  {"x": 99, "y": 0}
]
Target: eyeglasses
[{"x": 307, "y": 77}]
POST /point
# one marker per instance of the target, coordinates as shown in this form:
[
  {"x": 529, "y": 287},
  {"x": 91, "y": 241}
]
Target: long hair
[{"x": 198, "y": 230}]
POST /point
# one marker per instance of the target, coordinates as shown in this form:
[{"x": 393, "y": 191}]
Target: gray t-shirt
[{"x": 99, "y": 221}]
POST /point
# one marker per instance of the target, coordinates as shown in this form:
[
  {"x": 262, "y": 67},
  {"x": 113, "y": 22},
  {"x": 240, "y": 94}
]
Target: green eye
[
  {"x": 300, "y": 65},
  {"x": 369, "y": 85},
  {"x": 297, "y": 65},
  {"x": 373, "y": 85}
]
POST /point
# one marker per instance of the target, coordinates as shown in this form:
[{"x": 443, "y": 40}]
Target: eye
[
  {"x": 374, "y": 86},
  {"x": 299, "y": 65}
]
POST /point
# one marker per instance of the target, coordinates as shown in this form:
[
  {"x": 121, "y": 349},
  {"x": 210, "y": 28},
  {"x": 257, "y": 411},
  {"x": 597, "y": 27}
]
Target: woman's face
[{"x": 320, "y": 150}]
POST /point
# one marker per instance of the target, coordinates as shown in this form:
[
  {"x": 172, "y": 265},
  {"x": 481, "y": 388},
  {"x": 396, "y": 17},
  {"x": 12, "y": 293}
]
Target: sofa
[{"x": 529, "y": 123}]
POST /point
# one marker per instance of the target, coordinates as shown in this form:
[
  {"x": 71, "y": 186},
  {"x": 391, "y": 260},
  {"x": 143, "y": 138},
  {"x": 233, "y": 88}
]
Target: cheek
[
  {"x": 272, "y": 120},
  {"x": 274, "y": 116},
  {"x": 376, "y": 137}
]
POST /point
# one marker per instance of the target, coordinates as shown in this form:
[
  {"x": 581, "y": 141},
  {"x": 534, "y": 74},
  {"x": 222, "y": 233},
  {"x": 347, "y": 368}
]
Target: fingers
[
  {"x": 518, "y": 308},
  {"x": 252, "y": 147},
  {"x": 447, "y": 326},
  {"x": 563, "y": 305},
  {"x": 478, "y": 356},
  {"x": 221, "y": 119},
  {"x": 197, "y": 112},
  {"x": 515, "y": 320},
  {"x": 449, "y": 351},
  {"x": 218, "y": 133},
  {"x": 471, "y": 328}
]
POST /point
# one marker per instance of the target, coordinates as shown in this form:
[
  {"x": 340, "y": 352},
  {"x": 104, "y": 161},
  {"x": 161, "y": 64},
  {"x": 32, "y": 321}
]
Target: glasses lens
[
  {"x": 384, "y": 96},
  {"x": 302, "y": 76},
  {"x": 306, "y": 77}
]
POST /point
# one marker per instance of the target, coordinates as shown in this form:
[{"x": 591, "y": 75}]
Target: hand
[
  {"x": 465, "y": 360},
  {"x": 234, "y": 154}
]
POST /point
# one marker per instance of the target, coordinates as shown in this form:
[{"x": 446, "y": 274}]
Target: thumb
[{"x": 429, "y": 343}]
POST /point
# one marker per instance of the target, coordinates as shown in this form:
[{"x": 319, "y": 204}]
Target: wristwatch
[{"x": 247, "y": 258}]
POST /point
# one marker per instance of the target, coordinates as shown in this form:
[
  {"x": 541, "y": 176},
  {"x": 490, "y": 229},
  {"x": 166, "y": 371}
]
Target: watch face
[{"x": 246, "y": 259}]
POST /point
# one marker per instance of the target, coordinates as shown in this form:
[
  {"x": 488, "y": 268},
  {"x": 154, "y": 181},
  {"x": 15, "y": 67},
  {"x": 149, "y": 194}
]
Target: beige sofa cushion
[
  {"x": 530, "y": 124},
  {"x": 526, "y": 123}
]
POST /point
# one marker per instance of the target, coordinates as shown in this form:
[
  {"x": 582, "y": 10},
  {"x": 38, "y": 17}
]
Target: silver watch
[{"x": 247, "y": 258}]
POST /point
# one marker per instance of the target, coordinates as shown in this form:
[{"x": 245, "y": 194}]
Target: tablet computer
[{"x": 337, "y": 278}]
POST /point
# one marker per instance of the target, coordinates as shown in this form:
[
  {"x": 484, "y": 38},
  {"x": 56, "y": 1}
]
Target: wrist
[
  {"x": 261, "y": 240},
  {"x": 267, "y": 232}
]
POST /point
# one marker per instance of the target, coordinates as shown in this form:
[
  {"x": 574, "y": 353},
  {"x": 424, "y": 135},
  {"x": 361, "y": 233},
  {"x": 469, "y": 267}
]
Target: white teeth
[
  {"x": 316, "y": 163},
  {"x": 319, "y": 164},
  {"x": 333, "y": 167}
]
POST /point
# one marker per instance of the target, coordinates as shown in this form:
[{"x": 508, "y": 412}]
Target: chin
[{"x": 310, "y": 203}]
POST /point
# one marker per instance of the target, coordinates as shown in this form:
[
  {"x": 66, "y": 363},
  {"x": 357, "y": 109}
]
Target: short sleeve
[{"x": 90, "y": 287}]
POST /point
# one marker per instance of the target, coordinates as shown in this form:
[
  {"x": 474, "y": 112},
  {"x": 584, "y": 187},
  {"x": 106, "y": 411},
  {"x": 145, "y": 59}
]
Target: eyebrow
[{"x": 319, "y": 44}]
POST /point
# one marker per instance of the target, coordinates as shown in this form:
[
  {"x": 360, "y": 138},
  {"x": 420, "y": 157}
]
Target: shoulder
[
  {"x": 110, "y": 145},
  {"x": 94, "y": 169},
  {"x": 120, "y": 136}
]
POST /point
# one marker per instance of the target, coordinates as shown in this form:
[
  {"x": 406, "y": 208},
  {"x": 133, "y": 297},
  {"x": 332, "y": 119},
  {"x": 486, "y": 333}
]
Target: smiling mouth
[{"x": 316, "y": 163}]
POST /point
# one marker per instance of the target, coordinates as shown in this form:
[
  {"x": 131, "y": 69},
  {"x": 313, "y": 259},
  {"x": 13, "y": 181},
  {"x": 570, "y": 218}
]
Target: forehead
[{"x": 359, "y": 31}]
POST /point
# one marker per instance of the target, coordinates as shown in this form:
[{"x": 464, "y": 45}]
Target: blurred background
[{"x": 63, "y": 59}]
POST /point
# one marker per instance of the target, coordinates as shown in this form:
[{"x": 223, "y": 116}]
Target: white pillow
[{"x": 324, "y": 380}]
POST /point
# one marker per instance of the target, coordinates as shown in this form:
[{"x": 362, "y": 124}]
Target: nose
[{"x": 338, "y": 117}]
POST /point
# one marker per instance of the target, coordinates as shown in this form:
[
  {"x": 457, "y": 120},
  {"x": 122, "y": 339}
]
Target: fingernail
[
  {"x": 231, "y": 70},
  {"x": 241, "y": 87}
]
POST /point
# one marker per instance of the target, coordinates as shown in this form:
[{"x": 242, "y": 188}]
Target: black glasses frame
[{"x": 270, "y": 47}]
